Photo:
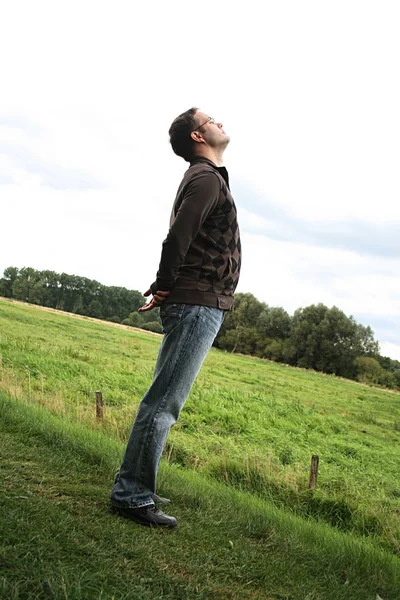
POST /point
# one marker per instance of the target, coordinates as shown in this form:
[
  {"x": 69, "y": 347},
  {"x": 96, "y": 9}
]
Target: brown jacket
[{"x": 201, "y": 255}]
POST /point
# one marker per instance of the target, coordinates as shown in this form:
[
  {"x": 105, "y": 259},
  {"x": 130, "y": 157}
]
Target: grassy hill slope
[
  {"x": 59, "y": 541},
  {"x": 250, "y": 424}
]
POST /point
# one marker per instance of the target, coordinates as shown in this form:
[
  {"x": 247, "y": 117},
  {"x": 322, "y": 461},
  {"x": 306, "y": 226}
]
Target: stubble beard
[{"x": 221, "y": 144}]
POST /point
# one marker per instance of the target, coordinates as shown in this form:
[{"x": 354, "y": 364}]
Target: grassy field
[
  {"x": 58, "y": 540},
  {"x": 249, "y": 426}
]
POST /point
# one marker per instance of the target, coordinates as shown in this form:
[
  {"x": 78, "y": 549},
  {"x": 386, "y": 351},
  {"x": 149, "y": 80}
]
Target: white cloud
[
  {"x": 297, "y": 275},
  {"x": 308, "y": 92},
  {"x": 389, "y": 349}
]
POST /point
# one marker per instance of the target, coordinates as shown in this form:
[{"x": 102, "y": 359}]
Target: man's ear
[{"x": 197, "y": 137}]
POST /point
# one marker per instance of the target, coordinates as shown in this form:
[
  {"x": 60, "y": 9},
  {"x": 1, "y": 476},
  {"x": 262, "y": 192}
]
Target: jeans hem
[{"x": 131, "y": 505}]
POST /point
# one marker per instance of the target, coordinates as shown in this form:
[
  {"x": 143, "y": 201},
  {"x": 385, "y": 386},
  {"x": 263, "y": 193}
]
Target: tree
[
  {"x": 27, "y": 285},
  {"x": 154, "y": 326},
  {"x": 146, "y": 320},
  {"x": 7, "y": 282},
  {"x": 327, "y": 340},
  {"x": 95, "y": 309},
  {"x": 368, "y": 369},
  {"x": 274, "y": 350},
  {"x": 365, "y": 340},
  {"x": 119, "y": 301},
  {"x": 151, "y": 315},
  {"x": 239, "y": 330},
  {"x": 50, "y": 288},
  {"x": 135, "y": 319},
  {"x": 114, "y": 319},
  {"x": 391, "y": 372},
  {"x": 274, "y": 323},
  {"x": 78, "y": 305}
]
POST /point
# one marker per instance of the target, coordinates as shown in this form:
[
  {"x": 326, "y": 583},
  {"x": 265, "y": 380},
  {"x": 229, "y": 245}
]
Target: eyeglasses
[{"x": 210, "y": 120}]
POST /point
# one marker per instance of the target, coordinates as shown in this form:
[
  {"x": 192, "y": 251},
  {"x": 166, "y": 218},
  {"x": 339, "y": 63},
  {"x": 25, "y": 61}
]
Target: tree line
[
  {"x": 315, "y": 337},
  {"x": 70, "y": 293}
]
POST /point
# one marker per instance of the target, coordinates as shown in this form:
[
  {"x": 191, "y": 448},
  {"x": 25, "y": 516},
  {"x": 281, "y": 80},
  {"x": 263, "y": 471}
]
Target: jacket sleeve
[{"x": 199, "y": 200}]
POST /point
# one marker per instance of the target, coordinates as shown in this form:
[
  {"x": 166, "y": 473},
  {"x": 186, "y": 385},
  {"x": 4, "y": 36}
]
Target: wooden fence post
[
  {"x": 99, "y": 405},
  {"x": 312, "y": 480}
]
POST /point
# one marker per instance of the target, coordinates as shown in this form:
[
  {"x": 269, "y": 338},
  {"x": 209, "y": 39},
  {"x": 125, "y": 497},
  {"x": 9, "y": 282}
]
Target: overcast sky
[{"x": 309, "y": 93}]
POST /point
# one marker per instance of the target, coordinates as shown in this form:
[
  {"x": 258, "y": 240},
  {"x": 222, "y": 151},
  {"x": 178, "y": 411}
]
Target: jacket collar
[
  {"x": 221, "y": 170},
  {"x": 198, "y": 159}
]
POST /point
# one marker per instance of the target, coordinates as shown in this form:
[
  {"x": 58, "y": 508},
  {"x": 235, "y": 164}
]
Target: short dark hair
[{"x": 179, "y": 134}]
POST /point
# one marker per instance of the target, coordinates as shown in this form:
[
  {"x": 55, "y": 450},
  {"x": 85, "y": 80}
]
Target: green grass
[
  {"x": 59, "y": 541},
  {"x": 250, "y": 424}
]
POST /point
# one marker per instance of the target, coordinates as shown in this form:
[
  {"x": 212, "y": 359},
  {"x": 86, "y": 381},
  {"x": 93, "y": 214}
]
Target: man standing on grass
[{"x": 198, "y": 274}]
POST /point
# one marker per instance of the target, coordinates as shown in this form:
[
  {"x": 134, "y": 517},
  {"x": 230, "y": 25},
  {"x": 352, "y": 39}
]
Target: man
[{"x": 198, "y": 274}]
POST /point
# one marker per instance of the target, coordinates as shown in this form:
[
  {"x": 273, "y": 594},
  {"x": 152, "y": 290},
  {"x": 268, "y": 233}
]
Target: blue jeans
[{"x": 189, "y": 333}]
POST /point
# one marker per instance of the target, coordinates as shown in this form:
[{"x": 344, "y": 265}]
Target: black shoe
[
  {"x": 160, "y": 500},
  {"x": 145, "y": 515}
]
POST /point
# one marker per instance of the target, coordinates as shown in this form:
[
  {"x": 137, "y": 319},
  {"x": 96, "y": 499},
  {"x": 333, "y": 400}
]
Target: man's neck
[{"x": 214, "y": 155}]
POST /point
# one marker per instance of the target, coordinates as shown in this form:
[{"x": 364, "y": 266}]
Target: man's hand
[{"x": 158, "y": 298}]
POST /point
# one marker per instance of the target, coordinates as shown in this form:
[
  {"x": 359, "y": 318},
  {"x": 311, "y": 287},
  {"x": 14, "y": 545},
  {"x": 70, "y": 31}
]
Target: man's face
[{"x": 211, "y": 131}]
